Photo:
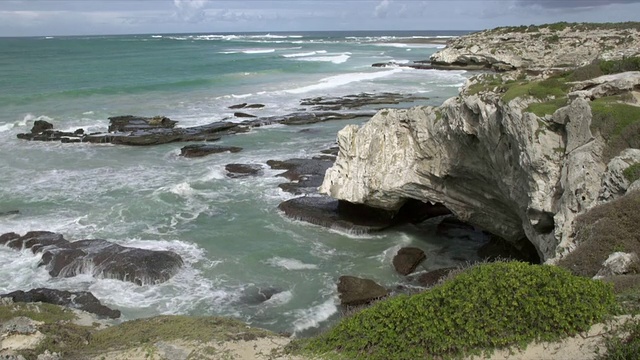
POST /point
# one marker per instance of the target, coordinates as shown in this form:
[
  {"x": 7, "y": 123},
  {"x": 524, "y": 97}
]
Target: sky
[{"x": 91, "y": 17}]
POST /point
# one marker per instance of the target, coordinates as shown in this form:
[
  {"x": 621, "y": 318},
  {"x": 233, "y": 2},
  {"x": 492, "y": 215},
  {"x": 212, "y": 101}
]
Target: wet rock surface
[
  {"x": 255, "y": 295},
  {"x": 200, "y": 150},
  {"x": 81, "y": 300},
  {"x": 357, "y": 291},
  {"x": 243, "y": 170},
  {"x": 357, "y": 101},
  {"x": 407, "y": 260},
  {"x": 305, "y": 175},
  {"x": 327, "y": 212},
  {"x": 99, "y": 258}
]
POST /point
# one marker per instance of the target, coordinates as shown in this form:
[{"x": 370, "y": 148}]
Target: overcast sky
[{"x": 85, "y": 17}]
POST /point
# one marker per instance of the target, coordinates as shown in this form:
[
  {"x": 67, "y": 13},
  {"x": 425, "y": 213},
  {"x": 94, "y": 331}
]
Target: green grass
[
  {"x": 46, "y": 313},
  {"x": 552, "y": 87},
  {"x": 617, "y": 123},
  {"x": 488, "y": 306},
  {"x": 79, "y": 342},
  {"x": 547, "y": 107}
]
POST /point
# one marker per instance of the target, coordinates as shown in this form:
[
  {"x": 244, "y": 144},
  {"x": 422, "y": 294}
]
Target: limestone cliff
[
  {"x": 519, "y": 157},
  {"x": 555, "y": 45}
]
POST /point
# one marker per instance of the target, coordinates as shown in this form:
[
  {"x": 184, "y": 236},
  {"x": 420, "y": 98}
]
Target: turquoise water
[{"x": 228, "y": 230}]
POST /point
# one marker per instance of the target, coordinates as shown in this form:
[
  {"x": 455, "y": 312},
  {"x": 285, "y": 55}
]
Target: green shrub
[
  {"x": 488, "y": 306},
  {"x": 618, "y": 66},
  {"x": 586, "y": 72},
  {"x": 553, "y": 39},
  {"x": 632, "y": 173}
]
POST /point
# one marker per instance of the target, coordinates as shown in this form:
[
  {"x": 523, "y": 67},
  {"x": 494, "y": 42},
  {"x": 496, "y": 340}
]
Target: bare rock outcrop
[
  {"x": 492, "y": 162},
  {"x": 99, "y": 258},
  {"x": 540, "y": 47}
]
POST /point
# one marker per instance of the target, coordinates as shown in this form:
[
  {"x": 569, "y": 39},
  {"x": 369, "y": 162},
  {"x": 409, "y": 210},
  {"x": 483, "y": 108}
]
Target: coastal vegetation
[
  {"x": 560, "y": 26},
  {"x": 605, "y": 229},
  {"x": 618, "y": 123},
  {"x": 487, "y": 306}
]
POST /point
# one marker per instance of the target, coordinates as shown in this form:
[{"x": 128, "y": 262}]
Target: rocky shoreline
[{"x": 516, "y": 158}]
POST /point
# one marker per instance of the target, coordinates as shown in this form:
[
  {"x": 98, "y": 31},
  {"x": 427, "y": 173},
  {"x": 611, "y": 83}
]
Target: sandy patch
[
  {"x": 268, "y": 348},
  {"x": 582, "y": 346}
]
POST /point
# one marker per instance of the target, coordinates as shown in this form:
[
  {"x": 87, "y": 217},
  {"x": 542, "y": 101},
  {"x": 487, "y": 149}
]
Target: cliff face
[
  {"x": 557, "y": 45},
  {"x": 522, "y": 167}
]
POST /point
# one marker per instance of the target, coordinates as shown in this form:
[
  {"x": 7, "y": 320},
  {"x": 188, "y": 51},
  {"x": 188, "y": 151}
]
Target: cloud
[
  {"x": 382, "y": 9},
  {"x": 190, "y": 10},
  {"x": 573, "y": 4}
]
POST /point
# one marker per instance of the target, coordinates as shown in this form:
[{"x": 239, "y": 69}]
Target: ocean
[{"x": 229, "y": 231}]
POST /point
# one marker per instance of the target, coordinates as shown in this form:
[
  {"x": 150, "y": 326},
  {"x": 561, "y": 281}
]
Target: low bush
[
  {"x": 617, "y": 123},
  {"x": 488, "y": 306},
  {"x": 605, "y": 229},
  {"x": 623, "y": 344},
  {"x": 618, "y": 66},
  {"x": 632, "y": 173}
]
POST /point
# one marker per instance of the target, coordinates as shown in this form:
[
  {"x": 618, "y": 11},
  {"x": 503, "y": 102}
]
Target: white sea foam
[
  {"x": 290, "y": 264},
  {"x": 280, "y": 298},
  {"x": 258, "y": 51},
  {"x": 310, "y": 53},
  {"x": 313, "y": 316},
  {"x": 343, "y": 79},
  {"x": 336, "y": 59},
  {"x": 182, "y": 189},
  {"x": 156, "y": 36}
]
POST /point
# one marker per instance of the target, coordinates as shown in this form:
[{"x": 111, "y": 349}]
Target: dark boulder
[
  {"x": 238, "y": 106},
  {"x": 99, "y": 258},
  {"x": 81, "y": 300},
  {"x": 200, "y": 150},
  {"x": 432, "y": 278},
  {"x": 243, "y": 115},
  {"x": 41, "y": 126},
  {"x": 357, "y": 291},
  {"x": 134, "y": 123},
  {"x": 242, "y": 170},
  {"x": 407, "y": 260},
  {"x": 305, "y": 175},
  {"x": 331, "y": 213},
  {"x": 254, "y": 106}
]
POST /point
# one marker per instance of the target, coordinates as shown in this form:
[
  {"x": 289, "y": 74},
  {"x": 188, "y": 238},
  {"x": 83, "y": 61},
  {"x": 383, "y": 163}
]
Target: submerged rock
[
  {"x": 99, "y": 258},
  {"x": 357, "y": 291},
  {"x": 242, "y": 170},
  {"x": 255, "y": 295},
  {"x": 200, "y": 150},
  {"x": 81, "y": 300}
]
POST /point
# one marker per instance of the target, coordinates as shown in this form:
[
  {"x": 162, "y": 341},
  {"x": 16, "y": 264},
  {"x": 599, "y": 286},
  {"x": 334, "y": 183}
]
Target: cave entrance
[{"x": 435, "y": 219}]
